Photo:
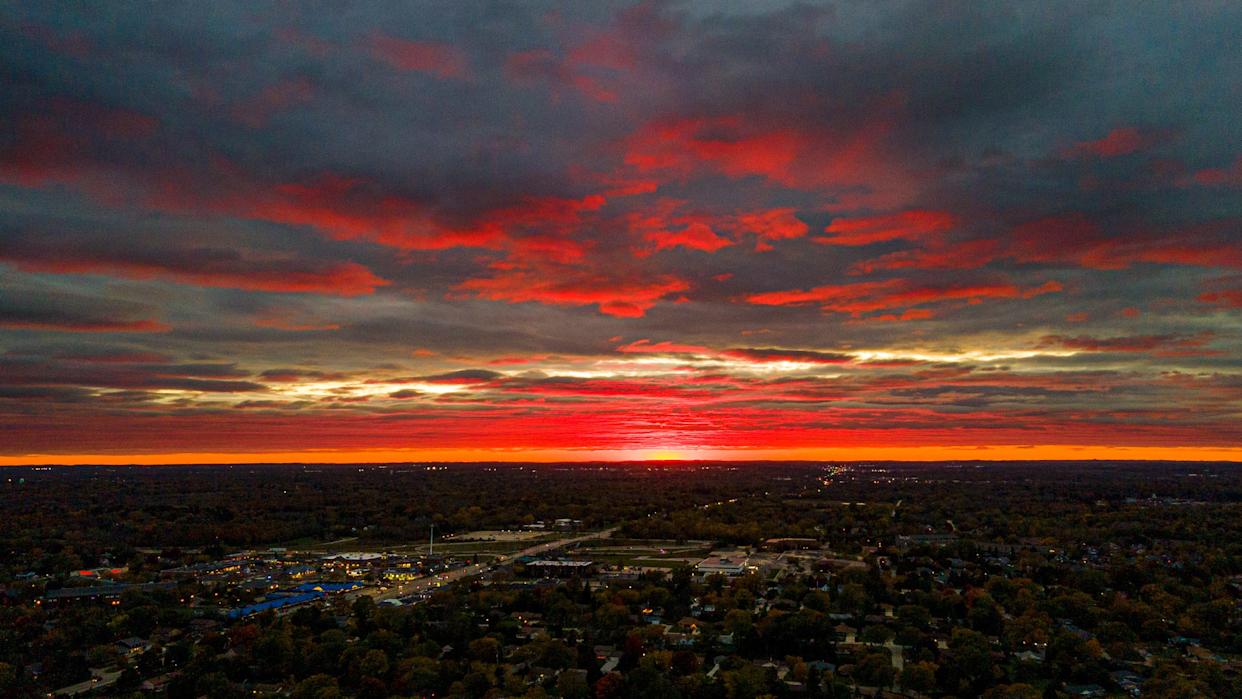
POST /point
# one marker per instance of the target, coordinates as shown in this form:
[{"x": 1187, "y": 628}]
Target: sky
[{"x": 237, "y": 231}]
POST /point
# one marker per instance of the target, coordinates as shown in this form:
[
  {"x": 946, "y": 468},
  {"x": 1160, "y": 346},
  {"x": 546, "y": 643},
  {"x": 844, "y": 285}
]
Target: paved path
[{"x": 98, "y": 681}]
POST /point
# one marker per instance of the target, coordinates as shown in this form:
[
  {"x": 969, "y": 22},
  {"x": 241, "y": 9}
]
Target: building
[
  {"x": 132, "y": 646},
  {"x": 732, "y": 564},
  {"x": 560, "y": 568},
  {"x": 790, "y": 543}
]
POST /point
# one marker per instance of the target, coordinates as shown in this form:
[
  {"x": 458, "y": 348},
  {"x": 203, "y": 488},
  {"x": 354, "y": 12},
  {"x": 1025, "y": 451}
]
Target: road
[
  {"x": 99, "y": 680},
  {"x": 433, "y": 581}
]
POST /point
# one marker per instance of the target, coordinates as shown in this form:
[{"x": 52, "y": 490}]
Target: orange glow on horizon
[{"x": 925, "y": 453}]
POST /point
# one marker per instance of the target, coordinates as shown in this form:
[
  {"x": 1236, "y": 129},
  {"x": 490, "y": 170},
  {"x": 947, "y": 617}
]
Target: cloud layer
[{"x": 618, "y": 227}]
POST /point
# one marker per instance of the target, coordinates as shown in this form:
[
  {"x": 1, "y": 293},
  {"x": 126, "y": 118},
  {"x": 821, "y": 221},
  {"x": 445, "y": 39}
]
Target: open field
[{"x": 497, "y": 535}]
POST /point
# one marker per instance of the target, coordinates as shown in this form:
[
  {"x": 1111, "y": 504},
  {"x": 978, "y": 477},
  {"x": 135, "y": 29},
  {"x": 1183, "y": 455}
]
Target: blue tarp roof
[
  {"x": 272, "y": 604},
  {"x": 284, "y": 598}
]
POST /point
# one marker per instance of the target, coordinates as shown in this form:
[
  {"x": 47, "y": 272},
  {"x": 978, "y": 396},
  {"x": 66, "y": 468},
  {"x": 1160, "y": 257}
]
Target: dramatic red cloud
[
  {"x": 626, "y": 298},
  {"x": 555, "y": 212},
  {"x": 347, "y": 208},
  {"x": 1229, "y": 298},
  {"x": 1066, "y": 238},
  {"x": 342, "y": 209},
  {"x": 224, "y": 269},
  {"x": 586, "y": 162},
  {"x": 431, "y": 57},
  {"x": 907, "y": 225},
  {"x": 864, "y": 297},
  {"x": 664, "y": 347},
  {"x": 725, "y": 143},
  {"x": 695, "y": 236},
  {"x": 796, "y": 155},
  {"x": 1212, "y": 243},
  {"x": 774, "y": 224},
  {"x": 970, "y": 254},
  {"x": 1120, "y": 141},
  {"x": 1221, "y": 176},
  {"x": 1077, "y": 240},
  {"x": 661, "y": 225}
]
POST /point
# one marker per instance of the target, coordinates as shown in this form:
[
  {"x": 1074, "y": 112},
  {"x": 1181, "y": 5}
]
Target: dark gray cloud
[{"x": 290, "y": 207}]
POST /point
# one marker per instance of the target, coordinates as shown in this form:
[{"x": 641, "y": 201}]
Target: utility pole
[{"x": 431, "y": 544}]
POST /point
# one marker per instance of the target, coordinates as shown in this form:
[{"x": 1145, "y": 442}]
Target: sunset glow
[{"x": 618, "y": 232}]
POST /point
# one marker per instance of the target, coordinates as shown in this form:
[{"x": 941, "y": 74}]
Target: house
[
  {"x": 1030, "y": 656},
  {"x": 158, "y": 683},
  {"x": 699, "y": 610},
  {"x": 676, "y": 639},
  {"x": 132, "y": 646}
]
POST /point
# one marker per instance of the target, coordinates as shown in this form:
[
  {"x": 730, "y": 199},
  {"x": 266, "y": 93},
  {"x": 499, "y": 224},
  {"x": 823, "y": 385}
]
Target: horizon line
[{"x": 927, "y": 454}]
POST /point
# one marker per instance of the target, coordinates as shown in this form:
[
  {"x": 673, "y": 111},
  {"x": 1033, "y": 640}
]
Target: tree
[
  {"x": 746, "y": 682},
  {"x": 684, "y": 662},
  {"x": 372, "y": 688},
  {"x": 476, "y": 684},
  {"x": 608, "y": 686},
  {"x": 419, "y": 676},
  {"x": 273, "y": 652},
  {"x": 374, "y": 664},
  {"x": 572, "y": 685},
  {"x": 971, "y": 654},
  {"x": 1012, "y": 691},
  {"x": 876, "y": 634},
  {"x": 485, "y": 650},
  {"x": 738, "y": 623},
  {"x": 363, "y": 609},
  {"x": 919, "y": 677},
  {"x": 915, "y": 615},
  {"x": 853, "y": 598},
  {"x": 8, "y": 677},
  {"x": 875, "y": 670}
]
